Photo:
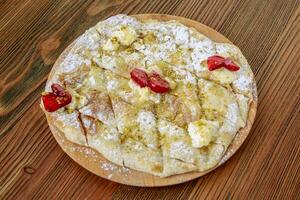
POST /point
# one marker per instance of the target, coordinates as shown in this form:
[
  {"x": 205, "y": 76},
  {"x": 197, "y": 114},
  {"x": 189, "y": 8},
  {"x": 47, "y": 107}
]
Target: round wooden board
[{"x": 97, "y": 164}]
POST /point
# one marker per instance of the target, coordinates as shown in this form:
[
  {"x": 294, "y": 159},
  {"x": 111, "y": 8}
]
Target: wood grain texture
[{"x": 34, "y": 33}]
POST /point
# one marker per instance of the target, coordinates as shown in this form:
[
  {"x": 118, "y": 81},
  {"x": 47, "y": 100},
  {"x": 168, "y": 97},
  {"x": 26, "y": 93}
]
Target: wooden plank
[
  {"x": 34, "y": 33},
  {"x": 34, "y": 166}
]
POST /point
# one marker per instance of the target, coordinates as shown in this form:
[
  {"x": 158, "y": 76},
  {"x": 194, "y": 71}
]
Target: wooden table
[{"x": 34, "y": 33}]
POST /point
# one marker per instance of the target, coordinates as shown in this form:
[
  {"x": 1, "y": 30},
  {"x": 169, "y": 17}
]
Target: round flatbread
[{"x": 188, "y": 128}]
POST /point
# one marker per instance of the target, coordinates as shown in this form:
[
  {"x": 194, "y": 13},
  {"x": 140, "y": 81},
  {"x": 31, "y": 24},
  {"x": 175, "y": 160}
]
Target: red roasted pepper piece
[
  {"x": 158, "y": 84},
  {"x": 216, "y": 62},
  {"x": 56, "y": 99},
  {"x": 140, "y": 77}
]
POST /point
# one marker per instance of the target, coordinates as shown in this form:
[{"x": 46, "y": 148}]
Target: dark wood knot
[{"x": 29, "y": 170}]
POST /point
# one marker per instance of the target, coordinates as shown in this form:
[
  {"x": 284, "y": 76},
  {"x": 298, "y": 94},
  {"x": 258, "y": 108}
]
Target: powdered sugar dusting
[
  {"x": 111, "y": 85},
  {"x": 181, "y": 150},
  {"x": 68, "y": 119},
  {"x": 112, "y": 169},
  {"x": 169, "y": 128},
  {"x": 90, "y": 40},
  {"x": 232, "y": 121},
  {"x": 243, "y": 83},
  {"x": 147, "y": 120},
  {"x": 114, "y": 23},
  {"x": 181, "y": 34},
  {"x": 108, "y": 167},
  {"x": 186, "y": 76},
  {"x": 86, "y": 151},
  {"x": 201, "y": 50},
  {"x": 72, "y": 61}
]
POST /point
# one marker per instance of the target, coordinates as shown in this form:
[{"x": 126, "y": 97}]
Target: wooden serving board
[{"x": 97, "y": 164}]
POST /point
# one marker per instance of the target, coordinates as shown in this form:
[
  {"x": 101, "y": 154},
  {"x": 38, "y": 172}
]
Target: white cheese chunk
[
  {"x": 223, "y": 76},
  {"x": 202, "y": 132},
  {"x": 126, "y": 35},
  {"x": 111, "y": 45}
]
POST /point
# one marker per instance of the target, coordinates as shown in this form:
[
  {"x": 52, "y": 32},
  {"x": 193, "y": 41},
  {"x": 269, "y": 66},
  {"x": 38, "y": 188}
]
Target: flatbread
[{"x": 187, "y": 129}]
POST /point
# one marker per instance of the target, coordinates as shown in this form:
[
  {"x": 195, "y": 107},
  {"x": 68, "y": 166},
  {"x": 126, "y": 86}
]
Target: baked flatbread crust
[{"x": 188, "y": 129}]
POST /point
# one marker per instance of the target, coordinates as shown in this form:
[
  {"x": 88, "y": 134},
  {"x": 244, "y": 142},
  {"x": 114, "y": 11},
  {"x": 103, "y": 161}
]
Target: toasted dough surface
[{"x": 187, "y": 129}]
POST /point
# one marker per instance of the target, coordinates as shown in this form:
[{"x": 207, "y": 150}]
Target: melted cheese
[
  {"x": 126, "y": 35},
  {"x": 202, "y": 132}
]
